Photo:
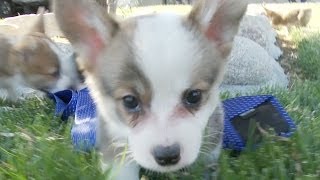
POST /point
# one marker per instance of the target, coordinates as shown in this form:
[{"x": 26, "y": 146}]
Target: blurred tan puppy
[
  {"x": 295, "y": 17},
  {"x": 34, "y": 60}
]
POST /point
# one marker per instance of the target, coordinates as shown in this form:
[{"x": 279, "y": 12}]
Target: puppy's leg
[
  {"x": 10, "y": 86},
  {"x": 215, "y": 127},
  {"x": 12, "y": 95},
  {"x": 121, "y": 171},
  {"x": 125, "y": 172},
  {"x": 212, "y": 164},
  {"x": 106, "y": 146}
]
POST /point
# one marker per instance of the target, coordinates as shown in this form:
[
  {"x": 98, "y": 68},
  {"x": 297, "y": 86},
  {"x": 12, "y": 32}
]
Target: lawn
[{"x": 36, "y": 145}]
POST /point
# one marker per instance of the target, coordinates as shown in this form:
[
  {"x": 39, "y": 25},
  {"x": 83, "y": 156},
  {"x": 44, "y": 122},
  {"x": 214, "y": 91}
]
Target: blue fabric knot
[{"x": 78, "y": 104}]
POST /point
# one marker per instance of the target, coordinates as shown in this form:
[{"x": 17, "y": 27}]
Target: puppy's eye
[
  {"x": 192, "y": 98},
  {"x": 56, "y": 73},
  {"x": 131, "y": 103}
]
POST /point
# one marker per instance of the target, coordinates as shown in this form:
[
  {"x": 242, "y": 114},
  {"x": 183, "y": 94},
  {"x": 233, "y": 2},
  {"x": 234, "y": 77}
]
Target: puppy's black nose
[{"x": 167, "y": 155}]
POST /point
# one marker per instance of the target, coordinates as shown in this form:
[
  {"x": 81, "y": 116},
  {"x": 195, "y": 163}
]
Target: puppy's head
[
  {"x": 37, "y": 57},
  {"x": 155, "y": 78},
  {"x": 41, "y": 63}
]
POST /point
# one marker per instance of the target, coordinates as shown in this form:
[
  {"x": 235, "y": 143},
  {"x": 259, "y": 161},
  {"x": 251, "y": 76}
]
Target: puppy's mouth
[
  {"x": 45, "y": 91},
  {"x": 169, "y": 169},
  {"x": 182, "y": 164}
]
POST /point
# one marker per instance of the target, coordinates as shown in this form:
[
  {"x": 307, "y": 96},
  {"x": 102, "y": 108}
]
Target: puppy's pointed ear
[
  {"x": 86, "y": 25},
  {"x": 39, "y": 24},
  {"x": 219, "y": 20}
]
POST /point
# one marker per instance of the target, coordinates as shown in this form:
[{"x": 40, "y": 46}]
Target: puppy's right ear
[
  {"x": 39, "y": 26},
  {"x": 219, "y": 20},
  {"x": 87, "y": 26}
]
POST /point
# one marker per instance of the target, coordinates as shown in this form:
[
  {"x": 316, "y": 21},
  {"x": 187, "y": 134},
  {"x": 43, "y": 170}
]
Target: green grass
[
  {"x": 294, "y": 158},
  {"x": 308, "y": 53},
  {"x": 299, "y": 156},
  {"x": 40, "y": 146}
]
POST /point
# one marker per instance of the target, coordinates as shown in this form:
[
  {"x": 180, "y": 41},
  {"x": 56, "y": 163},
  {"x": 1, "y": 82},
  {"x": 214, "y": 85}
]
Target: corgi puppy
[
  {"x": 155, "y": 80},
  {"x": 33, "y": 60},
  {"x": 294, "y": 17}
]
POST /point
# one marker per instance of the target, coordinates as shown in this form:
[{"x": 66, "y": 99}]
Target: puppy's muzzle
[{"x": 167, "y": 155}]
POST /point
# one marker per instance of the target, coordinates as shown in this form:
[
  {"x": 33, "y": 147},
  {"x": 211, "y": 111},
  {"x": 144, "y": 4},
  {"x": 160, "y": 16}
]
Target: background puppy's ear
[
  {"x": 86, "y": 25},
  {"x": 219, "y": 19},
  {"x": 39, "y": 24}
]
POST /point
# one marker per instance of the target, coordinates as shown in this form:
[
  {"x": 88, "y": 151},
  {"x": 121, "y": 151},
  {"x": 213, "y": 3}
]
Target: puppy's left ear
[
  {"x": 219, "y": 20},
  {"x": 39, "y": 24}
]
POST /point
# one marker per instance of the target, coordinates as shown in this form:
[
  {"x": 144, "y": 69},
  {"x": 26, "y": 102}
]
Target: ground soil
[{"x": 289, "y": 58}]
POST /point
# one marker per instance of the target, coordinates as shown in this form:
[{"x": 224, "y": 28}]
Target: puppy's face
[
  {"x": 38, "y": 61},
  {"x": 155, "y": 78},
  {"x": 162, "y": 90}
]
